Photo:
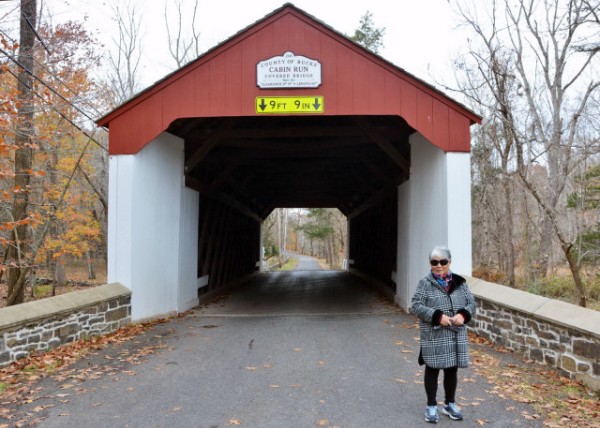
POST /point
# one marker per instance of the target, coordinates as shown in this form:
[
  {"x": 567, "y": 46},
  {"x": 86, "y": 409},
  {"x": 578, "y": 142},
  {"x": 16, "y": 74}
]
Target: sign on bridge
[
  {"x": 287, "y": 105},
  {"x": 288, "y": 71}
]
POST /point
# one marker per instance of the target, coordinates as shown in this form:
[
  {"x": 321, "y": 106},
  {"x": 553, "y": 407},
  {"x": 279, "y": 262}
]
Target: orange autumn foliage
[{"x": 63, "y": 89}]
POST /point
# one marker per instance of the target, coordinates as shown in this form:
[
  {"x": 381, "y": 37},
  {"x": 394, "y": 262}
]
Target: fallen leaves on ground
[
  {"x": 18, "y": 381},
  {"x": 562, "y": 402}
]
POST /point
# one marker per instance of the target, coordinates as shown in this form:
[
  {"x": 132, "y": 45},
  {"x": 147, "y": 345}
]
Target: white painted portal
[
  {"x": 434, "y": 208},
  {"x": 153, "y": 223},
  {"x": 153, "y": 229}
]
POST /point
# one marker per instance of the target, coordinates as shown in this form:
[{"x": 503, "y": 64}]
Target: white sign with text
[{"x": 288, "y": 71}]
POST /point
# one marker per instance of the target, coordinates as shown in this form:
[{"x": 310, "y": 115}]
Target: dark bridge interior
[{"x": 244, "y": 167}]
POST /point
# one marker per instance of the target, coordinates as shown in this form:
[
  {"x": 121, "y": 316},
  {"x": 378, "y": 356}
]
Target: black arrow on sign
[
  {"x": 262, "y": 104},
  {"x": 316, "y": 105}
]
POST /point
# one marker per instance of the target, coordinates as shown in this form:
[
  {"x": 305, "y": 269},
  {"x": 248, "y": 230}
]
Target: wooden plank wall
[
  {"x": 373, "y": 240},
  {"x": 228, "y": 244}
]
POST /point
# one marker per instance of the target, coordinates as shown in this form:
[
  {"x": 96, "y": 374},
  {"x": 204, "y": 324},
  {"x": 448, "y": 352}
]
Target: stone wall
[
  {"x": 552, "y": 332},
  {"x": 48, "y": 323}
]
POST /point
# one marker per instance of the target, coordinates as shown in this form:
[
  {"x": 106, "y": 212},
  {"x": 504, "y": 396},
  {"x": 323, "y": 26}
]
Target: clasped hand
[{"x": 456, "y": 320}]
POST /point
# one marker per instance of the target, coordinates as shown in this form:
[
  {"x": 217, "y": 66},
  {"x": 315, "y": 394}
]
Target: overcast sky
[{"x": 419, "y": 35}]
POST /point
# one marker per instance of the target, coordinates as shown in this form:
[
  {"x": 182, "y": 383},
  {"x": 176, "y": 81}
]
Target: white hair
[{"x": 440, "y": 251}]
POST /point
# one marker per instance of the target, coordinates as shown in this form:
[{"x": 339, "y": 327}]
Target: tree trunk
[
  {"x": 580, "y": 292},
  {"x": 32, "y": 282},
  {"x": 23, "y": 153},
  {"x": 334, "y": 261},
  {"x": 59, "y": 275},
  {"x": 285, "y": 230},
  {"x": 545, "y": 249},
  {"x": 279, "y": 249},
  {"x": 509, "y": 244},
  {"x": 90, "y": 265}
]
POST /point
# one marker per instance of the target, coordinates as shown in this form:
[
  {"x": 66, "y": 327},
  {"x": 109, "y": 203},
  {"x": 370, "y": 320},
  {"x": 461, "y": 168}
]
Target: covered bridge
[{"x": 286, "y": 113}]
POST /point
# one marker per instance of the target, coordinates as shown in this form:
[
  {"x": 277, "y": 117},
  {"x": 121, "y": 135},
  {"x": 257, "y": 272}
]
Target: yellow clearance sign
[{"x": 287, "y": 105}]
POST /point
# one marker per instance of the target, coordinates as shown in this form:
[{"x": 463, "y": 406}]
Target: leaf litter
[
  {"x": 19, "y": 380},
  {"x": 562, "y": 402}
]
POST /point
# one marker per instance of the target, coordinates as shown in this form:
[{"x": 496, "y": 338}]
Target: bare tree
[
  {"x": 183, "y": 46},
  {"x": 555, "y": 115},
  {"x": 540, "y": 83},
  {"x": 124, "y": 79},
  {"x": 489, "y": 83}
]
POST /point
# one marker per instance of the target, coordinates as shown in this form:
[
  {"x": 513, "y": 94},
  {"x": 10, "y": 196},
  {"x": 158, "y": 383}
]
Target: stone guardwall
[
  {"x": 547, "y": 331},
  {"x": 51, "y": 322}
]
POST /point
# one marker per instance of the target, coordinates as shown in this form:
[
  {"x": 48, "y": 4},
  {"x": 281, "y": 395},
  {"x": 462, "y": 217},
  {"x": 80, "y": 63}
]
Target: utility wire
[
  {"x": 36, "y": 33},
  {"x": 83, "y": 131},
  {"x": 54, "y": 76},
  {"x": 69, "y": 103},
  {"x": 16, "y": 61}
]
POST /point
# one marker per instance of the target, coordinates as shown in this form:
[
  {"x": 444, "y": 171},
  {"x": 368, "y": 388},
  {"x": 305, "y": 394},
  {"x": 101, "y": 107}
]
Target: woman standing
[{"x": 443, "y": 303}]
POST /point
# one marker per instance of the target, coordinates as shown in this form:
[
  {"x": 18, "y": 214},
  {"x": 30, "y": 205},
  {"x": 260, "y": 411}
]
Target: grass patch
[
  {"x": 42, "y": 290},
  {"x": 3, "y": 387},
  {"x": 555, "y": 287},
  {"x": 290, "y": 264},
  {"x": 563, "y": 288}
]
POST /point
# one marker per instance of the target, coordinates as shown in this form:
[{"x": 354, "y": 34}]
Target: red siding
[
  {"x": 201, "y": 91},
  {"x": 234, "y": 83},
  {"x": 223, "y": 83},
  {"x": 179, "y": 102},
  {"x": 408, "y": 102},
  {"x": 424, "y": 115},
  {"x": 360, "y": 83},
  {"x": 393, "y": 94},
  {"x": 441, "y": 133}
]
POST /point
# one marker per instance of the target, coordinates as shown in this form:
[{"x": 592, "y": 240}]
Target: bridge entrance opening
[
  {"x": 385, "y": 148},
  {"x": 305, "y": 239},
  {"x": 251, "y": 172}
]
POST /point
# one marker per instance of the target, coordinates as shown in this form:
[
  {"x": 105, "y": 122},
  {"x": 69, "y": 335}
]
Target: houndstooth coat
[{"x": 443, "y": 347}]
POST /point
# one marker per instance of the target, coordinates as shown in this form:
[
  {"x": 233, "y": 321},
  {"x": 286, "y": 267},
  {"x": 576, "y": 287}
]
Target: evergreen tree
[{"x": 368, "y": 35}]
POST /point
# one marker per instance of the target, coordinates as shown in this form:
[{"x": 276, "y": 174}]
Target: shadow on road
[{"x": 302, "y": 292}]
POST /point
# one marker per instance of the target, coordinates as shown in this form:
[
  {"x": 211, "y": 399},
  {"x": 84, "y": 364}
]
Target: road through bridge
[
  {"x": 301, "y": 349},
  {"x": 199, "y": 160}
]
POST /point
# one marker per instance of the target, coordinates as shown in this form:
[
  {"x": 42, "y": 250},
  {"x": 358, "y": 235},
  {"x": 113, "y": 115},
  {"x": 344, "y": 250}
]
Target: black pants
[{"x": 431, "y": 384}]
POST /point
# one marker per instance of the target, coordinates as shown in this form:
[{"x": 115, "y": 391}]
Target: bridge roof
[
  {"x": 355, "y": 82},
  {"x": 351, "y": 155}
]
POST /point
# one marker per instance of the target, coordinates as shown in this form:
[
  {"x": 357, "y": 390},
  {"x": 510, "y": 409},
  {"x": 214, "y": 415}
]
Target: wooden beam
[
  {"x": 293, "y": 132},
  {"x": 223, "y": 176},
  {"x": 251, "y": 153},
  {"x": 222, "y": 197},
  {"x": 208, "y": 145},
  {"x": 298, "y": 141},
  {"x": 384, "y": 144},
  {"x": 376, "y": 197}
]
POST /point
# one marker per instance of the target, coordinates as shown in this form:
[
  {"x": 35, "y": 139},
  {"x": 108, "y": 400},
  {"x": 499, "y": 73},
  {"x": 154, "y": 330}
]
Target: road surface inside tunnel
[
  {"x": 306, "y": 262},
  {"x": 301, "y": 292}
]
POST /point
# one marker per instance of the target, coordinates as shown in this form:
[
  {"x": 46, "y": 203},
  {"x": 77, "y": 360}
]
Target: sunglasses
[{"x": 442, "y": 262}]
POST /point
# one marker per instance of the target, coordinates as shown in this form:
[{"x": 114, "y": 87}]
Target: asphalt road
[
  {"x": 293, "y": 349},
  {"x": 306, "y": 263}
]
